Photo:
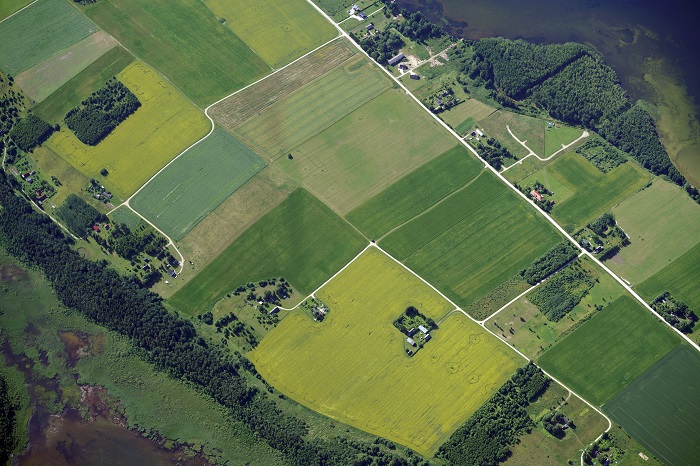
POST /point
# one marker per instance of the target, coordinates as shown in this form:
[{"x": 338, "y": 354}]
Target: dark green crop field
[
  {"x": 661, "y": 409},
  {"x": 301, "y": 239},
  {"x": 596, "y": 359}
]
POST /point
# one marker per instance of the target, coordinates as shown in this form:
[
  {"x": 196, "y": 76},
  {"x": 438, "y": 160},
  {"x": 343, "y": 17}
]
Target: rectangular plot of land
[
  {"x": 165, "y": 125},
  {"x": 353, "y": 366},
  {"x": 236, "y": 109},
  {"x": 660, "y": 408},
  {"x": 8, "y": 7},
  {"x": 469, "y": 109},
  {"x": 277, "y": 30},
  {"x": 681, "y": 277},
  {"x": 39, "y": 31},
  {"x": 528, "y": 129},
  {"x": 39, "y": 81},
  {"x": 196, "y": 183},
  {"x": 596, "y": 359},
  {"x": 304, "y": 113}
]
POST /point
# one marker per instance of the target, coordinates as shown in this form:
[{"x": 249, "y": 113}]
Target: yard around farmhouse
[
  {"x": 165, "y": 125},
  {"x": 196, "y": 183},
  {"x": 353, "y": 367}
]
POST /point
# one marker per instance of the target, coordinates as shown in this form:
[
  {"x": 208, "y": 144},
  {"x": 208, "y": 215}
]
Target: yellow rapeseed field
[
  {"x": 352, "y": 366},
  {"x": 164, "y": 125}
]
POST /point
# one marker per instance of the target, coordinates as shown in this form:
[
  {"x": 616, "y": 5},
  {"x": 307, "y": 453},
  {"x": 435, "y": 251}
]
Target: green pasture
[
  {"x": 165, "y": 125},
  {"x": 526, "y": 128},
  {"x": 42, "y": 79},
  {"x": 465, "y": 115},
  {"x": 681, "y": 277},
  {"x": 595, "y": 359},
  {"x": 183, "y": 40},
  {"x": 196, "y": 183},
  {"x": 659, "y": 409},
  {"x": 8, "y": 7},
  {"x": 36, "y": 33},
  {"x": 278, "y": 31},
  {"x": 290, "y": 121},
  {"x": 472, "y": 241},
  {"x": 582, "y": 192},
  {"x": 415, "y": 192},
  {"x": 557, "y": 137},
  {"x": 301, "y": 240},
  {"x": 89, "y": 80},
  {"x": 353, "y": 367},
  {"x": 125, "y": 215},
  {"x": 367, "y": 151},
  {"x": 662, "y": 223}
]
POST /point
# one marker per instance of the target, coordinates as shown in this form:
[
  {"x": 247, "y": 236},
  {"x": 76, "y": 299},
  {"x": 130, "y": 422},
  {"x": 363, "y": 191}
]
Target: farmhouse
[
  {"x": 96, "y": 228},
  {"x": 403, "y": 67},
  {"x": 423, "y": 329},
  {"x": 427, "y": 337},
  {"x": 414, "y": 76},
  {"x": 274, "y": 310},
  {"x": 395, "y": 60},
  {"x": 411, "y": 341},
  {"x": 369, "y": 27},
  {"x": 536, "y": 195},
  {"x": 412, "y": 331},
  {"x": 479, "y": 133}
]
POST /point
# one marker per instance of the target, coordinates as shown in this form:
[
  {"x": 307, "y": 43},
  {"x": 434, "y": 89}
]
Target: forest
[
  {"x": 485, "y": 438},
  {"x": 165, "y": 340},
  {"x": 29, "y": 132},
  {"x": 7, "y": 421},
  {"x": 493, "y": 152},
  {"x": 78, "y": 216},
  {"x": 104, "y": 110},
  {"x": 550, "y": 262}
]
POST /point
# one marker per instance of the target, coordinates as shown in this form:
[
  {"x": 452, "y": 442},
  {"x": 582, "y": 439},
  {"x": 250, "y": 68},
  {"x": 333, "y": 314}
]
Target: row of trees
[
  {"x": 99, "y": 114},
  {"x": 78, "y": 216},
  {"x": 169, "y": 342},
  {"x": 30, "y": 131},
  {"x": 485, "y": 438},
  {"x": 493, "y": 152},
  {"x": 560, "y": 294},
  {"x": 550, "y": 262}
]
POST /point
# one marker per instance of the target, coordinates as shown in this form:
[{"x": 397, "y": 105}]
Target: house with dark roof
[{"x": 396, "y": 59}]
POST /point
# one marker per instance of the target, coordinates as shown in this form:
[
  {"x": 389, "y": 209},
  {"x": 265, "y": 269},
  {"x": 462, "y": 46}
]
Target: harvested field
[
  {"x": 164, "y": 125},
  {"x": 238, "y": 108},
  {"x": 301, "y": 240},
  {"x": 367, "y": 151},
  {"x": 660, "y": 408},
  {"x": 24, "y": 44},
  {"x": 70, "y": 94},
  {"x": 595, "y": 359},
  {"x": 290, "y": 121},
  {"x": 42, "y": 79},
  {"x": 415, "y": 192},
  {"x": 416, "y": 401},
  {"x": 277, "y": 30},
  {"x": 196, "y": 183},
  {"x": 183, "y": 40}
]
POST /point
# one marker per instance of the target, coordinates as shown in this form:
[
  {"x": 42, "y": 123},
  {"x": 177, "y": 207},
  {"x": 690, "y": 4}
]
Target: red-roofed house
[
  {"x": 96, "y": 228},
  {"x": 538, "y": 197}
]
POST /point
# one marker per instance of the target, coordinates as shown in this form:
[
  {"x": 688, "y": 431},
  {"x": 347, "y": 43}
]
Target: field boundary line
[{"x": 23, "y": 8}]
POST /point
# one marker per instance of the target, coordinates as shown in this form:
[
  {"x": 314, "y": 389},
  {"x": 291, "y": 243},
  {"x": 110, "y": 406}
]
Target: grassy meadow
[
  {"x": 94, "y": 76},
  {"x": 415, "y": 192},
  {"x": 290, "y": 121},
  {"x": 651, "y": 218},
  {"x": 526, "y": 128},
  {"x": 197, "y": 182},
  {"x": 465, "y": 115},
  {"x": 24, "y": 44},
  {"x": 416, "y": 401},
  {"x": 277, "y": 31},
  {"x": 243, "y": 105},
  {"x": 165, "y": 124},
  {"x": 72, "y": 181},
  {"x": 125, "y": 215},
  {"x": 473, "y": 240},
  {"x": 658, "y": 408},
  {"x": 558, "y": 136},
  {"x": 367, "y": 151},
  {"x": 42, "y": 79},
  {"x": 301, "y": 240},
  {"x": 595, "y": 359},
  {"x": 582, "y": 192},
  {"x": 183, "y": 40}
]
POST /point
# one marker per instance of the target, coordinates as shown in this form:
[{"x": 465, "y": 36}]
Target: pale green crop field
[{"x": 352, "y": 366}]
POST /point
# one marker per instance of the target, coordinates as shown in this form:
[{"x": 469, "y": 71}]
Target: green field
[
  {"x": 415, "y": 192},
  {"x": 659, "y": 409},
  {"x": 36, "y": 33},
  {"x": 278, "y": 31},
  {"x": 125, "y": 215},
  {"x": 290, "y": 121},
  {"x": 588, "y": 193},
  {"x": 679, "y": 277},
  {"x": 165, "y": 124},
  {"x": 558, "y": 136},
  {"x": 196, "y": 183},
  {"x": 465, "y": 115},
  {"x": 70, "y": 94},
  {"x": 42, "y": 79},
  {"x": 595, "y": 359},
  {"x": 367, "y": 151},
  {"x": 72, "y": 181},
  {"x": 8, "y": 7},
  {"x": 301, "y": 240},
  {"x": 183, "y": 40},
  {"x": 528, "y": 129},
  {"x": 472, "y": 241},
  {"x": 416, "y": 401},
  {"x": 662, "y": 223}
]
